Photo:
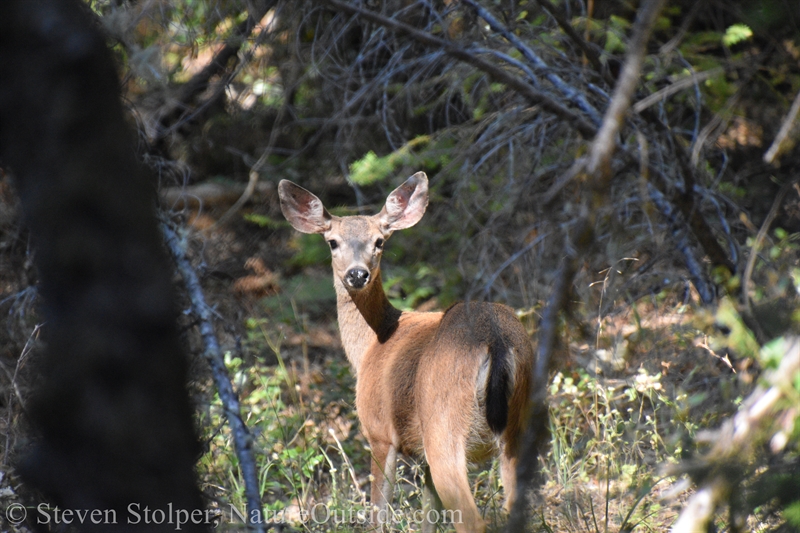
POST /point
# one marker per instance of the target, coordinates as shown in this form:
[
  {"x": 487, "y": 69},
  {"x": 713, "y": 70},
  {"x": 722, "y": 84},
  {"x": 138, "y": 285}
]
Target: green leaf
[
  {"x": 792, "y": 514},
  {"x": 736, "y": 34}
]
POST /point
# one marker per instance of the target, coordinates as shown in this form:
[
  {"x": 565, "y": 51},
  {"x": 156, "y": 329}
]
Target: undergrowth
[{"x": 610, "y": 433}]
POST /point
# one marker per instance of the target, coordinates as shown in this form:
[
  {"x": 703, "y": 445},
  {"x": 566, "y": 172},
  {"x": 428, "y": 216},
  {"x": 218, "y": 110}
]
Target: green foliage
[
  {"x": 616, "y": 34},
  {"x": 772, "y": 353},
  {"x": 737, "y": 336},
  {"x": 290, "y": 445},
  {"x": 421, "y": 153},
  {"x": 407, "y": 288}
]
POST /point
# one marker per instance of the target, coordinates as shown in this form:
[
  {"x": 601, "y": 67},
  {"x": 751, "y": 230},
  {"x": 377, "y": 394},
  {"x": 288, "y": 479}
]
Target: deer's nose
[{"x": 357, "y": 277}]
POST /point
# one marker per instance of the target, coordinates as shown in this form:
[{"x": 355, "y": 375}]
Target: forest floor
[{"x": 630, "y": 390}]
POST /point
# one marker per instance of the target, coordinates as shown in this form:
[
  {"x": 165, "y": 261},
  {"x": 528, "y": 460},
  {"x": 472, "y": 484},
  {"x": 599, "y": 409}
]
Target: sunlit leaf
[{"x": 736, "y": 34}]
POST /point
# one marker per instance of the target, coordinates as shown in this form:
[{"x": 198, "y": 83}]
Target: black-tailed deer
[{"x": 450, "y": 387}]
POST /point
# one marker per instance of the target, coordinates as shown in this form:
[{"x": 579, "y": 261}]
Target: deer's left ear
[{"x": 406, "y": 204}]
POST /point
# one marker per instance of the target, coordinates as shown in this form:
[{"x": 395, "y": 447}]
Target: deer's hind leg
[
  {"x": 448, "y": 471},
  {"x": 431, "y": 503},
  {"x": 508, "y": 474},
  {"x": 384, "y": 470}
]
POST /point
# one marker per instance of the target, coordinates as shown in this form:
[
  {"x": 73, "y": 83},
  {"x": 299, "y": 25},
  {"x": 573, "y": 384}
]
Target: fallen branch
[
  {"x": 242, "y": 438},
  {"x": 211, "y": 194},
  {"x": 452, "y": 49}
]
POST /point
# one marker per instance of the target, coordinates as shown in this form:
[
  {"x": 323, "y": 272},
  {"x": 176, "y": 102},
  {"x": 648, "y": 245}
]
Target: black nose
[{"x": 357, "y": 277}]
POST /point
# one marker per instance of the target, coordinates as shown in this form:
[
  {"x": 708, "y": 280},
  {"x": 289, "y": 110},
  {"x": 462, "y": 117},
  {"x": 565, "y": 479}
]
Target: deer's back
[{"x": 433, "y": 368}]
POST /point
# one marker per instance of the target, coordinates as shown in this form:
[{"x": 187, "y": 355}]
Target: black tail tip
[
  {"x": 496, "y": 413},
  {"x": 497, "y": 389}
]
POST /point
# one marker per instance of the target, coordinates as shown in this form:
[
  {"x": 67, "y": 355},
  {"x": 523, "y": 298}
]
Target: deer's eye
[
  {"x": 379, "y": 244},
  {"x": 333, "y": 244}
]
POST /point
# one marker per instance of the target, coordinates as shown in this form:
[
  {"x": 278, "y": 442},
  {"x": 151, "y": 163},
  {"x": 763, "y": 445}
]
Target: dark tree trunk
[{"x": 112, "y": 414}]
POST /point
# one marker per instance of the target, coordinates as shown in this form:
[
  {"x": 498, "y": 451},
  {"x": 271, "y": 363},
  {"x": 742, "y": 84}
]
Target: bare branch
[
  {"x": 679, "y": 234},
  {"x": 747, "y": 278},
  {"x": 452, "y": 49},
  {"x": 677, "y": 86},
  {"x": 568, "y": 91}
]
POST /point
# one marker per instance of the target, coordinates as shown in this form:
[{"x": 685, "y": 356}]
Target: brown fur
[{"x": 421, "y": 378}]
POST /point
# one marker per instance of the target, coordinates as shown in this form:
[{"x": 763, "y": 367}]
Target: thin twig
[
  {"x": 786, "y": 127},
  {"x": 254, "y": 174},
  {"x": 675, "y": 87},
  {"x": 590, "y": 53},
  {"x": 684, "y": 27},
  {"x": 747, "y": 278},
  {"x": 242, "y": 438},
  {"x": 721, "y": 116},
  {"x": 15, "y": 386}
]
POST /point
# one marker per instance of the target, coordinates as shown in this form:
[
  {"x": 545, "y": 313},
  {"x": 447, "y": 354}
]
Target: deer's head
[{"x": 356, "y": 242}]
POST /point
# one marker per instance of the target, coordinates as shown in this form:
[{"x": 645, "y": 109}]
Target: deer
[{"x": 449, "y": 387}]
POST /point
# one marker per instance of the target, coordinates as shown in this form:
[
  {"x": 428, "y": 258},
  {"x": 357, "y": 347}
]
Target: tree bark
[{"x": 112, "y": 418}]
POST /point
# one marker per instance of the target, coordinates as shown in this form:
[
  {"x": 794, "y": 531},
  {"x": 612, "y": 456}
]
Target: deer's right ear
[{"x": 303, "y": 210}]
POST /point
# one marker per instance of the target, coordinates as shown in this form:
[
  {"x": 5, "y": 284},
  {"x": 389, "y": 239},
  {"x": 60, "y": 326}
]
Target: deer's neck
[{"x": 365, "y": 317}]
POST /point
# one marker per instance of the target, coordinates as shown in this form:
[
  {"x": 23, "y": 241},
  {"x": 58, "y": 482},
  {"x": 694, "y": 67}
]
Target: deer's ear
[
  {"x": 406, "y": 204},
  {"x": 303, "y": 210}
]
